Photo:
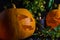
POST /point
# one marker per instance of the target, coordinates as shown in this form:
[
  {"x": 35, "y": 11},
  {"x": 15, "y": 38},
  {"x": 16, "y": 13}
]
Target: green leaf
[
  {"x": 57, "y": 28},
  {"x": 58, "y": 35}
]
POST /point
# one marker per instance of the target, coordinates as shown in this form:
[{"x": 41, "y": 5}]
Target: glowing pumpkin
[
  {"x": 22, "y": 21},
  {"x": 53, "y": 18}
]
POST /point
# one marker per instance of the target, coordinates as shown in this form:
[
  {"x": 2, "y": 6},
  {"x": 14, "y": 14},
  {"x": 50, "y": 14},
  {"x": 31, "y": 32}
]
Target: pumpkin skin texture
[
  {"x": 53, "y": 18},
  {"x": 22, "y": 21},
  {"x": 3, "y": 27},
  {"x": 3, "y": 32}
]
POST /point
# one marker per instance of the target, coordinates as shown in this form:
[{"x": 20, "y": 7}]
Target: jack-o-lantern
[
  {"x": 21, "y": 21},
  {"x": 53, "y": 18}
]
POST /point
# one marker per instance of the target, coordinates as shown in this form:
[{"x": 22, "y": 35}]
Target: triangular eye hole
[
  {"x": 20, "y": 17},
  {"x": 27, "y": 27}
]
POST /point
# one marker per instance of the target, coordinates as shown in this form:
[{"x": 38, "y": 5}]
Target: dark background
[{"x": 18, "y": 3}]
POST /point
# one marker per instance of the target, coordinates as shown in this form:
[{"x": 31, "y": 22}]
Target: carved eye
[{"x": 20, "y": 17}]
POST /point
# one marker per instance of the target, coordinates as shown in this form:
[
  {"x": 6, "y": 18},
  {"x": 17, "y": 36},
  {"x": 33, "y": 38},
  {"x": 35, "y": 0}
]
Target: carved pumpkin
[
  {"x": 53, "y": 18},
  {"x": 22, "y": 21}
]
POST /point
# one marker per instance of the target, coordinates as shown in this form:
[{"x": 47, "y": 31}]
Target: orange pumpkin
[
  {"x": 21, "y": 21},
  {"x": 53, "y": 18}
]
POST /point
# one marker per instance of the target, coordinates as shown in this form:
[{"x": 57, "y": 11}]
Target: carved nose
[{"x": 31, "y": 20}]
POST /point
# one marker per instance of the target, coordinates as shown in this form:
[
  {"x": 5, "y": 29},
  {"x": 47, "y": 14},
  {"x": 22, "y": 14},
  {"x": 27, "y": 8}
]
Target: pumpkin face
[
  {"x": 22, "y": 21},
  {"x": 53, "y": 18}
]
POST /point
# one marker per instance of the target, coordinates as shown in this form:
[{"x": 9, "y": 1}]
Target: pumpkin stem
[
  {"x": 13, "y": 5},
  {"x": 58, "y": 6}
]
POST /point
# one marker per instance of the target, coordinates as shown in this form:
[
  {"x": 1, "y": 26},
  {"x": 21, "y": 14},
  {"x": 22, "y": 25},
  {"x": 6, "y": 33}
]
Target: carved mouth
[{"x": 27, "y": 27}]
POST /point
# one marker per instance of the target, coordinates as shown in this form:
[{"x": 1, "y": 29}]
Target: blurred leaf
[
  {"x": 58, "y": 35},
  {"x": 50, "y": 4},
  {"x": 57, "y": 28}
]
